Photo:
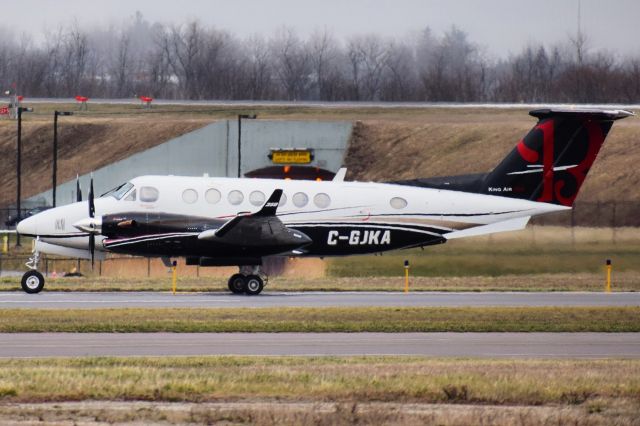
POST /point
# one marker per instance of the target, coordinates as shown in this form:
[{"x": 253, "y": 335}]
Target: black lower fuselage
[{"x": 157, "y": 234}]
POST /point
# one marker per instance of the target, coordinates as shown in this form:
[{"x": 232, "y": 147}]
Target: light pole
[
  {"x": 54, "y": 178},
  {"x": 20, "y": 110},
  {"x": 240, "y": 117}
]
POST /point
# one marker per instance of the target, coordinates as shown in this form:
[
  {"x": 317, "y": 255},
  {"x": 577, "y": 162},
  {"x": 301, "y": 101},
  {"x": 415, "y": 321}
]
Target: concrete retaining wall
[{"x": 213, "y": 149}]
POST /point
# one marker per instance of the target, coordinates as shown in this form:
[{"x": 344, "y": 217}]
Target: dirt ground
[{"x": 619, "y": 412}]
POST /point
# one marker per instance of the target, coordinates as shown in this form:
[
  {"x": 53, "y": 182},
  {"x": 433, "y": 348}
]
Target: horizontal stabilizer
[{"x": 503, "y": 226}]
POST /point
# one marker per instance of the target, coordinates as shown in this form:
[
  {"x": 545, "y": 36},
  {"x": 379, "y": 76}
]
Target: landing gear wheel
[
  {"x": 254, "y": 285},
  {"x": 237, "y": 284},
  {"x": 32, "y": 282}
]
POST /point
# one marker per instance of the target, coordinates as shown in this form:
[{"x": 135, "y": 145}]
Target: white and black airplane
[{"x": 238, "y": 222}]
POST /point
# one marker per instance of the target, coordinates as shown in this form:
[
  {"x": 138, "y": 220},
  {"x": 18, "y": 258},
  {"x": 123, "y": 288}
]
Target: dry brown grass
[
  {"x": 213, "y": 282},
  {"x": 369, "y": 389},
  {"x": 84, "y": 145},
  {"x": 387, "y": 144},
  {"x": 322, "y": 320},
  {"x": 445, "y": 142}
]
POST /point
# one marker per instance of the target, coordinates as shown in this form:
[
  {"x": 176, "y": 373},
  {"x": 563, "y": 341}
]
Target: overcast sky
[{"x": 501, "y": 26}]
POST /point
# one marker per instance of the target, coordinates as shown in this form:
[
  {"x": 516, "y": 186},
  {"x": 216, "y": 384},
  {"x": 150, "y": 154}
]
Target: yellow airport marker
[
  {"x": 5, "y": 244},
  {"x": 608, "y": 288},
  {"x": 174, "y": 278},
  {"x": 406, "y": 276}
]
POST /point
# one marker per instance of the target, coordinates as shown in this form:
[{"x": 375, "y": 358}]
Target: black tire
[
  {"x": 254, "y": 285},
  {"x": 237, "y": 283},
  {"x": 32, "y": 282}
]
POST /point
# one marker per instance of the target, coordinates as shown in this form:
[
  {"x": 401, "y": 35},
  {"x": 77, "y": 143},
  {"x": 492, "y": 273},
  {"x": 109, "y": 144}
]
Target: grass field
[
  {"x": 499, "y": 319},
  {"x": 622, "y": 281},
  {"x": 537, "y": 259},
  {"x": 535, "y": 250},
  {"x": 369, "y": 389}
]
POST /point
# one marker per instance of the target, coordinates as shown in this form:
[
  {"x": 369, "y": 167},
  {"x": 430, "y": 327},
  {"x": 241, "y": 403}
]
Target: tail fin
[{"x": 552, "y": 161}]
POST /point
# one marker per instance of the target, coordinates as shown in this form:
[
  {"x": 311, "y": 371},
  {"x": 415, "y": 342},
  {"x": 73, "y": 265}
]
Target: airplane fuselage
[{"x": 164, "y": 215}]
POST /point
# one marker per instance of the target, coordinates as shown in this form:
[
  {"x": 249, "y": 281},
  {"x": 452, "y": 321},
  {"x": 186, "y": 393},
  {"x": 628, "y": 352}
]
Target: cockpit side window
[
  {"x": 131, "y": 196},
  {"x": 149, "y": 194},
  {"x": 119, "y": 191}
]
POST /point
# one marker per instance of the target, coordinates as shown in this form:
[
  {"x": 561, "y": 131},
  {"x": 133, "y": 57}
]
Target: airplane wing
[
  {"x": 262, "y": 228},
  {"x": 268, "y": 209}
]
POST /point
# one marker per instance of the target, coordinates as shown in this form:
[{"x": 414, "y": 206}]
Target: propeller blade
[
  {"x": 92, "y": 207},
  {"x": 92, "y": 248},
  {"x": 78, "y": 190}
]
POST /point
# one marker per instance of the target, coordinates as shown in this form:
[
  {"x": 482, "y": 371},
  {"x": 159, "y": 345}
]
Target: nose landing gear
[
  {"x": 248, "y": 281},
  {"x": 33, "y": 281}
]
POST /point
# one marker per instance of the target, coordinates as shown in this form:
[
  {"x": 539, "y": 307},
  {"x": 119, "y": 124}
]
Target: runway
[
  {"x": 94, "y": 300},
  {"x": 500, "y": 345},
  {"x": 334, "y": 104}
]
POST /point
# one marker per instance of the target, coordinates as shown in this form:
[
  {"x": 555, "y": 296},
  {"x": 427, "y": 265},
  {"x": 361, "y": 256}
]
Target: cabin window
[
  {"x": 257, "y": 198},
  {"x": 283, "y": 200},
  {"x": 189, "y": 196},
  {"x": 131, "y": 196},
  {"x": 300, "y": 199},
  {"x": 322, "y": 200},
  {"x": 212, "y": 196},
  {"x": 149, "y": 194},
  {"x": 235, "y": 197},
  {"x": 398, "y": 203}
]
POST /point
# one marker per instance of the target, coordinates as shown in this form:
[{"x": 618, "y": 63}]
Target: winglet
[
  {"x": 269, "y": 208},
  {"x": 340, "y": 175}
]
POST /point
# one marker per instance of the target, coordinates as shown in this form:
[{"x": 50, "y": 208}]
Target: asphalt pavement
[
  {"x": 94, "y": 300},
  {"x": 498, "y": 345}
]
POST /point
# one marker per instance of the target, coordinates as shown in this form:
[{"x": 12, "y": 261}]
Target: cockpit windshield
[{"x": 119, "y": 191}]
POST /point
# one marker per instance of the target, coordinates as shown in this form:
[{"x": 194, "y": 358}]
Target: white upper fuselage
[{"x": 328, "y": 204}]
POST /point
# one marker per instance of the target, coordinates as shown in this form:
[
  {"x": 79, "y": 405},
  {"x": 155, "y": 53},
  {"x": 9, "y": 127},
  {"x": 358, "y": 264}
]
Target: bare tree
[
  {"x": 291, "y": 63},
  {"x": 258, "y": 69},
  {"x": 324, "y": 53},
  {"x": 367, "y": 56},
  {"x": 193, "y": 61},
  {"x": 400, "y": 82}
]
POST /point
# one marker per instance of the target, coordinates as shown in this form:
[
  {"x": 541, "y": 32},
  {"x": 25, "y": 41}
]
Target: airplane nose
[{"x": 28, "y": 226}]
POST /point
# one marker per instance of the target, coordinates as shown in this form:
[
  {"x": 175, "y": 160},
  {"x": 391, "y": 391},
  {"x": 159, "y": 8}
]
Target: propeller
[
  {"x": 78, "y": 190},
  {"x": 92, "y": 214},
  {"x": 91, "y": 225}
]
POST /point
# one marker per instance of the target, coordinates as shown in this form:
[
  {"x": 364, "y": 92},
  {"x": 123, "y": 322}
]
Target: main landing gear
[
  {"x": 32, "y": 280},
  {"x": 247, "y": 281}
]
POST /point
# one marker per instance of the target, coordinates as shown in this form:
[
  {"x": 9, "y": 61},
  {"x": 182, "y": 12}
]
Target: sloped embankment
[
  {"x": 386, "y": 151},
  {"x": 84, "y": 145}
]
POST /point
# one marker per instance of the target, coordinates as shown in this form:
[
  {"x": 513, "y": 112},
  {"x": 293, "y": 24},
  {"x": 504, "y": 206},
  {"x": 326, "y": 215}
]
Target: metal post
[
  {"x": 608, "y": 288},
  {"x": 55, "y": 157},
  {"x": 406, "y": 276},
  {"x": 18, "y": 171},
  {"x": 240, "y": 117},
  {"x": 174, "y": 276},
  {"x": 239, "y": 143}
]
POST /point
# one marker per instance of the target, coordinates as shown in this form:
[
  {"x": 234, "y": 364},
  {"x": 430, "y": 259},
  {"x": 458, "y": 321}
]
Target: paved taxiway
[
  {"x": 508, "y": 345},
  {"x": 93, "y": 300}
]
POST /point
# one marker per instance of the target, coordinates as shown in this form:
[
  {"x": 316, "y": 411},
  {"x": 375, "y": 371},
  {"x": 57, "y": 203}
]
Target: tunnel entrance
[{"x": 291, "y": 172}]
